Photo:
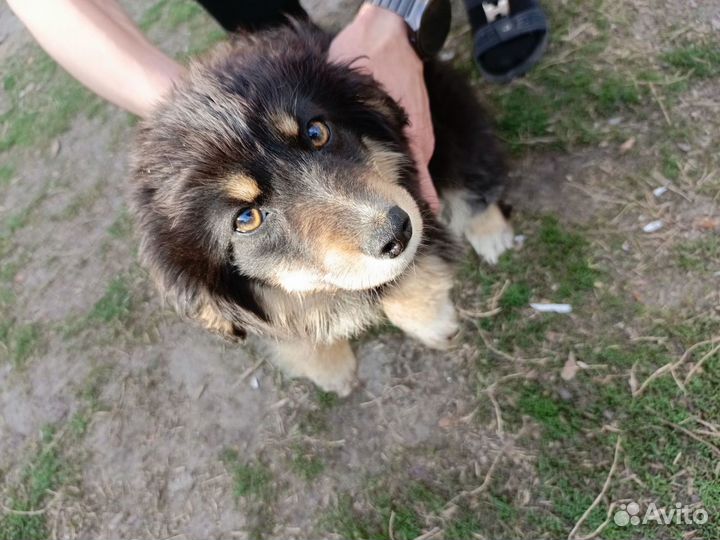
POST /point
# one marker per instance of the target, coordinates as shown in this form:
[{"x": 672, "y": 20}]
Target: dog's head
[{"x": 270, "y": 166}]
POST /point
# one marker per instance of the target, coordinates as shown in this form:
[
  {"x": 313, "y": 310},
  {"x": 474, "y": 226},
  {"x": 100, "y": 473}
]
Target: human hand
[{"x": 376, "y": 40}]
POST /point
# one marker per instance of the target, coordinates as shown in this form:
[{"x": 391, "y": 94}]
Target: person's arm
[
  {"x": 100, "y": 46},
  {"x": 378, "y": 39}
]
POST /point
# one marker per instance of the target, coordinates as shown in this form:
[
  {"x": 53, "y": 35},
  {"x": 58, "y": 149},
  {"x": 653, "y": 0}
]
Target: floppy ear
[
  {"x": 196, "y": 288},
  {"x": 192, "y": 269}
]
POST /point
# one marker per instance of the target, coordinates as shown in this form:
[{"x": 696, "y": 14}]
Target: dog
[{"x": 275, "y": 195}]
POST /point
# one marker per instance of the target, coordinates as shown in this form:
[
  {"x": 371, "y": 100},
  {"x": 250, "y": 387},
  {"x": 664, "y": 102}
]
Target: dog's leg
[
  {"x": 487, "y": 230},
  {"x": 420, "y": 304},
  {"x": 332, "y": 367}
]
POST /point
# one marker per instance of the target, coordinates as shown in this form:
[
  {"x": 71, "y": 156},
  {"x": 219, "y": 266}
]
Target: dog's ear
[
  {"x": 195, "y": 288},
  {"x": 210, "y": 316},
  {"x": 192, "y": 269}
]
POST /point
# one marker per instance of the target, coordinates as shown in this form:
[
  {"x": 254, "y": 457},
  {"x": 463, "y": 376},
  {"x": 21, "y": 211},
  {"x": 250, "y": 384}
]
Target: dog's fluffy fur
[{"x": 233, "y": 135}]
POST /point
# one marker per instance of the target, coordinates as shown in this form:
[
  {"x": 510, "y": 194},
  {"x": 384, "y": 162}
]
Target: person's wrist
[{"x": 381, "y": 19}]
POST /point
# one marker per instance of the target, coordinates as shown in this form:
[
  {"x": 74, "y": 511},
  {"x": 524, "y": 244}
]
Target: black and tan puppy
[{"x": 275, "y": 195}]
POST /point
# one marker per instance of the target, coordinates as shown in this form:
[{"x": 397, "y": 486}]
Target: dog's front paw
[
  {"x": 342, "y": 382},
  {"x": 490, "y": 247},
  {"x": 441, "y": 331},
  {"x": 490, "y": 234}
]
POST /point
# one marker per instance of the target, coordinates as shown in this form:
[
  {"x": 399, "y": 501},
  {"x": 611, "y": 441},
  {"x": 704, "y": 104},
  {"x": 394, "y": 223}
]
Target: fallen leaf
[
  {"x": 570, "y": 368},
  {"x": 628, "y": 145},
  {"x": 708, "y": 223}
]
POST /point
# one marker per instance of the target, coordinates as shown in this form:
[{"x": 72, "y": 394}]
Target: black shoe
[{"x": 509, "y": 36}]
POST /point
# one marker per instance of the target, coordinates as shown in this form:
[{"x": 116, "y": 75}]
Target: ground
[{"x": 118, "y": 419}]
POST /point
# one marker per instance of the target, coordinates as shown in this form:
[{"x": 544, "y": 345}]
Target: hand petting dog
[{"x": 377, "y": 41}]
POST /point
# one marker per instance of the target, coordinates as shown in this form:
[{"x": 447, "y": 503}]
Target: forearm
[{"x": 100, "y": 46}]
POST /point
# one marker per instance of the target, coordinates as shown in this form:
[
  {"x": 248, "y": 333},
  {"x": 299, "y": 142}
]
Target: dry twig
[{"x": 606, "y": 485}]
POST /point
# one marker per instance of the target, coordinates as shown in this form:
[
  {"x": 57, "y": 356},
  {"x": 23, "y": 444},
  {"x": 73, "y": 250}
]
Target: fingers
[{"x": 428, "y": 191}]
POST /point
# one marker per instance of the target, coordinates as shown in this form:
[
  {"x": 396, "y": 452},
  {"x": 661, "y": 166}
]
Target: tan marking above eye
[
  {"x": 243, "y": 188},
  {"x": 318, "y": 132},
  {"x": 285, "y": 124}
]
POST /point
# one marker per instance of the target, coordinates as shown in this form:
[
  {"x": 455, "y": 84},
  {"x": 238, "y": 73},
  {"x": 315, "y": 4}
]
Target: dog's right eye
[
  {"x": 248, "y": 220},
  {"x": 319, "y": 133}
]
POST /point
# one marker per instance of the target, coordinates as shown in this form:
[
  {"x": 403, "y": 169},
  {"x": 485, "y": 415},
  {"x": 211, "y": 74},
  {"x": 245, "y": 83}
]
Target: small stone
[
  {"x": 653, "y": 226},
  {"x": 684, "y": 147}
]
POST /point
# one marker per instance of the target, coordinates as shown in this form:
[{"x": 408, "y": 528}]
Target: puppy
[{"x": 275, "y": 194}]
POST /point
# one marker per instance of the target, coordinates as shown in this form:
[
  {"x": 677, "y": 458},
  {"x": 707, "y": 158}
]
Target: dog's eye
[
  {"x": 319, "y": 133},
  {"x": 248, "y": 220}
]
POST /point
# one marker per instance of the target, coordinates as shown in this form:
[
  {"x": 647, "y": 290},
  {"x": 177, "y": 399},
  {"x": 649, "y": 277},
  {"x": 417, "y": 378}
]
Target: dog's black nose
[{"x": 397, "y": 234}]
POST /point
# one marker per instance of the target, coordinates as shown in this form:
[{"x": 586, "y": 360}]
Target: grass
[
  {"x": 314, "y": 420},
  {"x": 700, "y": 60},
  {"x": 568, "y": 99},
  {"x": 554, "y": 266},
  {"x": 170, "y": 14},
  {"x": 6, "y": 174},
  {"x": 562, "y": 101},
  {"x": 122, "y": 227},
  {"x": 414, "y": 507},
  {"x": 305, "y": 463},
  {"x": 45, "y": 472},
  {"x": 115, "y": 304},
  {"x": 20, "y": 341},
  {"x": 113, "y": 311},
  {"x": 701, "y": 255},
  {"x": 574, "y": 451},
  {"x": 45, "y": 100},
  {"x": 253, "y": 484}
]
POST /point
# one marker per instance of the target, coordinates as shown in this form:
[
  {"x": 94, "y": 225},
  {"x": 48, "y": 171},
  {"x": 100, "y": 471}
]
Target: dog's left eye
[
  {"x": 319, "y": 133},
  {"x": 248, "y": 220}
]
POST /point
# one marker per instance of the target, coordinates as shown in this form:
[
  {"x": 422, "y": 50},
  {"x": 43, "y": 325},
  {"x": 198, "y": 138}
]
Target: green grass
[
  {"x": 314, "y": 420},
  {"x": 113, "y": 311},
  {"x": 171, "y": 14},
  {"x": 701, "y": 60},
  {"x": 305, "y": 463},
  {"x": 701, "y": 255},
  {"x": 575, "y": 448},
  {"x": 415, "y": 506},
  {"x": 122, "y": 227},
  {"x": 566, "y": 101},
  {"x": 255, "y": 489},
  {"x": 20, "y": 341},
  {"x": 560, "y": 103},
  {"x": 115, "y": 304},
  {"x": 250, "y": 480},
  {"x": 40, "y": 112},
  {"x": 46, "y": 471},
  {"x": 554, "y": 266},
  {"x": 6, "y": 174}
]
